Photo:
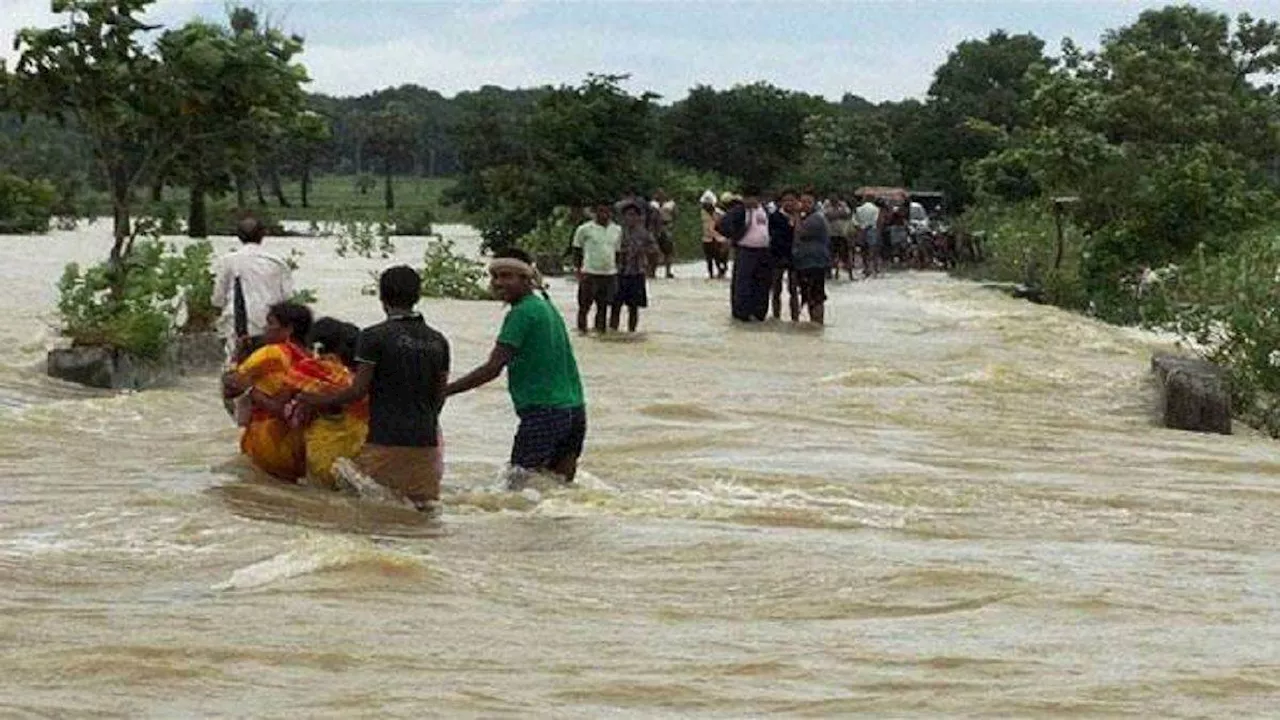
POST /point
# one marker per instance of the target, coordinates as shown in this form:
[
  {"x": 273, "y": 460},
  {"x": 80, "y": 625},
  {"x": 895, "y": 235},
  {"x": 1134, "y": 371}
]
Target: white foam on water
[{"x": 320, "y": 553}]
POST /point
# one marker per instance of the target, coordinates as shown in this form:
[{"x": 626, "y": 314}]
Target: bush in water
[
  {"x": 26, "y": 206},
  {"x": 1226, "y": 307},
  {"x": 164, "y": 291},
  {"x": 448, "y": 274},
  {"x": 413, "y": 221},
  {"x": 1020, "y": 245}
]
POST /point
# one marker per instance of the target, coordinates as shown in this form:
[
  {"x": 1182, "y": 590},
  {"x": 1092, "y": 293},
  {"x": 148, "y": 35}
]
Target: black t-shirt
[{"x": 408, "y": 357}]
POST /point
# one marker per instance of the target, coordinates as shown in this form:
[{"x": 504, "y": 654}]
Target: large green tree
[
  {"x": 753, "y": 132},
  {"x": 240, "y": 104},
  {"x": 977, "y": 100},
  {"x": 580, "y": 144},
  {"x": 94, "y": 72}
]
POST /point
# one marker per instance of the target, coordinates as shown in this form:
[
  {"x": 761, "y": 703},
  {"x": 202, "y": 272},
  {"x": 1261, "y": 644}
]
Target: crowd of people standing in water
[{"x": 346, "y": 408}]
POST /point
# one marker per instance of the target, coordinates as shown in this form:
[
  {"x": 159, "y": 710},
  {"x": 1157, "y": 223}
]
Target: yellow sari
[{"x": 330, "y": 436}]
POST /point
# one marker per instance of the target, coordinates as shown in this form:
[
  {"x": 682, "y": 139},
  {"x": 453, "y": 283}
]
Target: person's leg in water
[
  {"x": 793, "y": 295},
  {"x": 711, "y": 255},
  {"x": 547, "y": 439},
  {"x": 775, "y": 293},
  {"x": 633, "y": 318},
  {"x": 615, "y": 315},
  {"x": 586, "y": 293},
  {"x": 603, "y": 299}
]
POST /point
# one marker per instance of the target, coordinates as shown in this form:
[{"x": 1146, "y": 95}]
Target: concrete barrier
[
  {"x": 113, "y": 369},
  {"x": 1194, "y": 394}
]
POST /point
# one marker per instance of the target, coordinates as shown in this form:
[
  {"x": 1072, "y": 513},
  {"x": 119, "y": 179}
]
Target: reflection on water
[{"x": 944, "y": 502}]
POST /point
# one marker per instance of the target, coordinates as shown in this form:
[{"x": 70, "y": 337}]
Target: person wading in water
[
  {"x": 542, "y": 374},
  {"x": 595, "y": 260},
  {"x": 747, "y": 227},
  {"x": 264, "y": 279},
  {"x": 637, "y": 247},
  {"x": 402, "y": 365}
]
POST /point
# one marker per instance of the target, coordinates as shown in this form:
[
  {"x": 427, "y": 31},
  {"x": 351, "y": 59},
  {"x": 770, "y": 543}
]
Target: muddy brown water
[{"x": 945, "y": 503}]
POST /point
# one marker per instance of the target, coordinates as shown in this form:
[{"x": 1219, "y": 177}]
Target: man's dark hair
[
  {"x": 250, "y": 229},
  {"x": 400, "y": 287},
  {"x": 751, "y": 191},
  {"x": 336, "y": 337},
  {"x": 293, "y": 316},
  {"x": 513, "y": 253}
]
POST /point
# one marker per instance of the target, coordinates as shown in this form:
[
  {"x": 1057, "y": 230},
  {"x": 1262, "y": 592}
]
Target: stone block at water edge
[{"x": 1194, "y": 394}]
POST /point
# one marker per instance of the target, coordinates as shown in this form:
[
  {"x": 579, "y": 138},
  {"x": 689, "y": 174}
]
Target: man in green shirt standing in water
[{"x": 542, "y": 374}]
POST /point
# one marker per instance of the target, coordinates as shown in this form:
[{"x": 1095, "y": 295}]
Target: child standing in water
[
  {"x": 636, "y": 247},
  {"x": 269, "y": 440}
]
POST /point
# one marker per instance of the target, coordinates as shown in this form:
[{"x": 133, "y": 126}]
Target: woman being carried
[{"x": 269, "y": 440}]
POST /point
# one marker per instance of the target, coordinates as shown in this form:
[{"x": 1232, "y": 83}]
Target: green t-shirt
[
  {"x": 542, "y": 371},
  {"x": 599, "y": 244}
]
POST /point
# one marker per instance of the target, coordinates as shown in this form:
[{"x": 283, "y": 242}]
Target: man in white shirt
[
  {"x": 664, "y": 210},
  {"x": 595, "y": 260},
  {"x": 265, "y": 279}
]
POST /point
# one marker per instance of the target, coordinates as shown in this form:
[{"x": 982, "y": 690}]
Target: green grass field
[
  {"x": 335, "y": 197},
  {"x": 338, "y": 192}
]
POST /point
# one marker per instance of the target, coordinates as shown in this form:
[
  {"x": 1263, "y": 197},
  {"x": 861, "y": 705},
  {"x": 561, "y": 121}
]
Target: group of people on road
[
  {"x": 352, "y": 409},
  {"x": 613, "y": 262},
  {"x": 794, "y": 243}
]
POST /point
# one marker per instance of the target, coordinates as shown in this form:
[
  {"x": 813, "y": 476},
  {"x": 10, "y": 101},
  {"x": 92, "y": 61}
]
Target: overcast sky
[{"x": 880, "y": 50}]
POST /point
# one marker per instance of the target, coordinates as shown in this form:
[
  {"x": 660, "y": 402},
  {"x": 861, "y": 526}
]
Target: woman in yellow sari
[
  {"x": 269, "y": 440},
  {"x": 333, "y": 433}
]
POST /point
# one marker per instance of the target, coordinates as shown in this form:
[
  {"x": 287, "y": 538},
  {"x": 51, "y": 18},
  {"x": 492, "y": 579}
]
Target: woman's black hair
[
  {"x": 335, "y": 337},
  {"x": 293, "y": 316}
]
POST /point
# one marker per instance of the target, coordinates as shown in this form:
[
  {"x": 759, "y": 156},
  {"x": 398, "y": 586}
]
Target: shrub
[
  {"x": 1227, "y": 306},
  {"x": 26, "y": 206},
  {"x": 449, "y": 274},
  {"x": 1020, "y": 245},
  {"x": 412, "y": 221},
  {"x": 139, "y": 306}
]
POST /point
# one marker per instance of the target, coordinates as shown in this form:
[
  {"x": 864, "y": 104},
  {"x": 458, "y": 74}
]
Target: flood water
[{"x": 945, "y": 503}]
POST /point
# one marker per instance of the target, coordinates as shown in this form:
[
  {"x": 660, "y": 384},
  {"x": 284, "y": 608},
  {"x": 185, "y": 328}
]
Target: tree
[
  {"x": 580, "y": 144},
  {"x": 845, "y": 151},
  {"x": 240, "y": 103},
  {"x": 94, "y": 72},
  {"x": 753, "y": 132},
  {"x": 390, "y": 138},
  {"x": 978, "y": 99},
  {"x": 310, "y": 133}
]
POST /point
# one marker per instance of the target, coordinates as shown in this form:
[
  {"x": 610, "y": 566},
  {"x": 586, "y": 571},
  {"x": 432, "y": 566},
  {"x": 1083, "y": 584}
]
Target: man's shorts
[
  {"x": 547, "y": 436},
  {"x": 813, "y": 285},
  {"x": 597, "y": 289}
]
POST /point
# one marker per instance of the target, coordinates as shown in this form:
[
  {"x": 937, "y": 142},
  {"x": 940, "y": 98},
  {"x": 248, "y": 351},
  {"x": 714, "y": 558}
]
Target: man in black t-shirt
[{"x": 403, "y": 365}]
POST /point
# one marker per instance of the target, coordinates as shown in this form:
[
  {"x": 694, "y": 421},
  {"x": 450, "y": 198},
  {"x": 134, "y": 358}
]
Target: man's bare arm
[{"x": 498, "y": 359}]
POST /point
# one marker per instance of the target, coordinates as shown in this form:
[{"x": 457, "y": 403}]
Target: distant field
[
  {"x": 334, "y": 194},
  {"x": 330, "y": 192}
]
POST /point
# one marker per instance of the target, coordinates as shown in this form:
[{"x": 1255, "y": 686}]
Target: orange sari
[{"x": 269, "y": 440}]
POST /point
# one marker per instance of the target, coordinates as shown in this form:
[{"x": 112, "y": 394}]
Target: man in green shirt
[
  {"x": 542, "y": 374},
  {"x": 595, "y": 257}
]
